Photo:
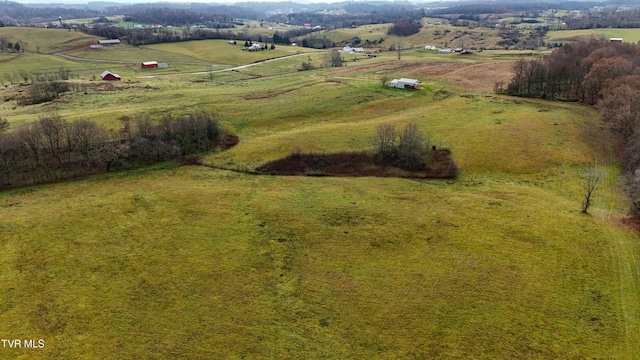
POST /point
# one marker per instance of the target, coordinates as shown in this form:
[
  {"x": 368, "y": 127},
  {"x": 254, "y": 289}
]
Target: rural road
[{"x": 223, "y": 70}]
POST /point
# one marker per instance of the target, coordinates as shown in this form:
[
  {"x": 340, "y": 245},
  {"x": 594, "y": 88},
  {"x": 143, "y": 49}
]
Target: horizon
[{"x": 217, "y": 2}]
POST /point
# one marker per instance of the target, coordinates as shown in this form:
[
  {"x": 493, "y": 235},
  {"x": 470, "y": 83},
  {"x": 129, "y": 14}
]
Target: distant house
[
  {"x": 350, "y": 49},
  {"x": 615, "y": 40},
  {"x": 445, "y": 51},
  {"x": 109, "y": 76},
  {"x": 430, "y": 47},
  {"x": 404, "y": 83},
  {"x": 109, "y": 42},
  {"x": 254, "y": 47},
  {"x": 232, "y": 42},
  {"x": 149, "y": 64}
]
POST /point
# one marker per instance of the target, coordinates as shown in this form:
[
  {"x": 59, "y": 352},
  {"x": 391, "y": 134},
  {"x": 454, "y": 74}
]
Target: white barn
[{"x": 404, "y": 83}]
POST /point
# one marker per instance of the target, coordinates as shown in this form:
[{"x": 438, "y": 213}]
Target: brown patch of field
[
  {"x": 477, "y": 77},
  {"x": 441, "y": 166}
]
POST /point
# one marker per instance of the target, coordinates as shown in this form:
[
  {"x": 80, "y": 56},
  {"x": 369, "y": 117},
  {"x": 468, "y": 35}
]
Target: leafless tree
[
  {"x": 31, "y": 136},
  {"x": 399, "y": 49},
  {"x": 52, "y": 129},
  {"x": 10, "y": 157},
  {"x": 25, "y": 75},
  {"x": 335, "y": 58},
  {"x": 591, "y": 182},
  {"x": 384, "y": 140},
  {"x": 87, "y": 137},
  {"x": 412, "y": 148},
  {"x": 64, "y": 73},
  {"x": 384, "y": 79},
  {"x": 12, "y": 78},
  {"x": 145, "y": 127}
]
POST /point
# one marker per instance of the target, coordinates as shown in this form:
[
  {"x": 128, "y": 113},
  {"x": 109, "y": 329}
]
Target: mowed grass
[
  {"x": 628, "y": 35},
  {"x": 46, "y": 40},
  {"x": 194, "y": 262}
]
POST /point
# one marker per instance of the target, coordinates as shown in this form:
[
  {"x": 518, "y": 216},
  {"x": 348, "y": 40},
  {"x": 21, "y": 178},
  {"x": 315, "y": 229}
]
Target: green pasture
[
  {"x": 628, "y": 35},
  {"x": 364, "y": 32},
  {"x": 489, "y": 265},
  {"x": 220, "y": 51},
  {"x": 198, "y": 52},
  {"x": 46, "y": 41},
  {"x": 198, "y": 262}
]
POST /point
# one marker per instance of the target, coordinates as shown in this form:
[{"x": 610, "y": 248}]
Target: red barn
[
  {"x": 149, "y": 64},
  {"x": 109, "y": 76}
]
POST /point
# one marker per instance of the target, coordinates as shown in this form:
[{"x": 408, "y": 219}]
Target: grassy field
[
  {"x": 438, "y": 35},
  {"x": 46, "y": 40},
  {"x": 194, "y": 262},
  {"x": 628, "y": 35},
  {"x": 203, "y": 51}
]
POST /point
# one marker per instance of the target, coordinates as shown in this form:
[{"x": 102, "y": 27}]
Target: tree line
[
  {"x": 177, "y": 17},
  {"x": 599, "y": 73},
  {"x": 53, "y": 148}
]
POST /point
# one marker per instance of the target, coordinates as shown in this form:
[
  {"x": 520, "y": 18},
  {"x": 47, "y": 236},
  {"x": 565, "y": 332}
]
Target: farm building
[
  {"x": 350, "y": 49},
  {"x": 109, "y": 42},
  {"x": 149, "y": 64},
  {"x": 404, "y": 83},
  {"x": 615, "y": 40},
  {"x": 109, "y": 76}
]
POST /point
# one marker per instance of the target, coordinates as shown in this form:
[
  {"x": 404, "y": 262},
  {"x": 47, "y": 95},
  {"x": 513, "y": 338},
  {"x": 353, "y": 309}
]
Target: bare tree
[
  {"x": 52, "y": 128},
  {"x": 399, "y": 49},
  {"x": 335, "y": 58},
  {"x": 87, "y": 137},
  {"x": 25, "y": 75},
  {"x": 591, "y": 182},
  {"x": 11, "y": 78},
  {"x": 64, "y": 73},
  {"x": 384, "y": 79},
  {"x": 412, "y": 148},
  {"x": 384, "y": 140},
  {"x": 31, "y": 136}
]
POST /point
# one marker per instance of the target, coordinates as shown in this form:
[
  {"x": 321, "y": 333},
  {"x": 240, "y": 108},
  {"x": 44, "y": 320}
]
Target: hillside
[{"x": 189, "y": 261}]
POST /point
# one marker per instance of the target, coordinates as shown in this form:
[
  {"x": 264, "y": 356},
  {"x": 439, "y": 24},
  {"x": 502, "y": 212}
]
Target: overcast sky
[{"x": 59, "y": 2}]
